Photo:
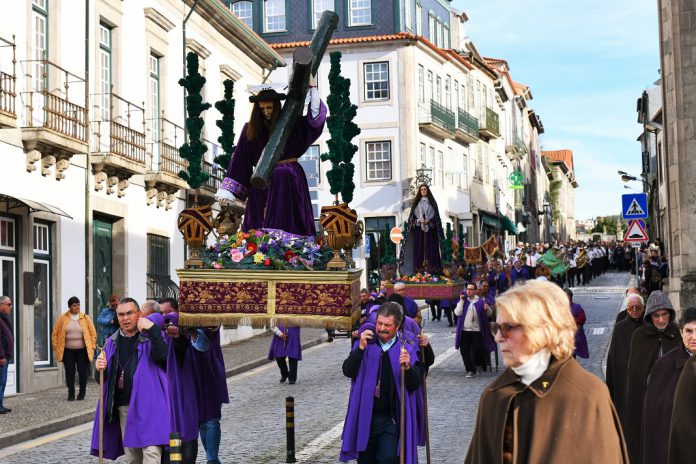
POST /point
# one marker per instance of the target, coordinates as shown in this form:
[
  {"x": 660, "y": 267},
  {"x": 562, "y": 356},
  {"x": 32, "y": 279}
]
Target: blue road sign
[{"x": 634, "y": 205}]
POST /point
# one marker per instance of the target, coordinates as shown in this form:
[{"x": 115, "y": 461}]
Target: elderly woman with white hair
[{"x": 544, "y": 406}]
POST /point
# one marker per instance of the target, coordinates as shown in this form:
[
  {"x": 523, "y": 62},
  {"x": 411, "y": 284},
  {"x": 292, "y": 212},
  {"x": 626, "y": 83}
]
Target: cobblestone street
[{"x": 253, "y": 423}]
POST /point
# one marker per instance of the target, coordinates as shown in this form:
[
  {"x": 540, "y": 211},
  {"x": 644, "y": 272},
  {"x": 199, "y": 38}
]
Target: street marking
[
  {"x": 27, "y": 445},
  {"x": 319, "y": 443},
  {"x": 598, "y": 331}
]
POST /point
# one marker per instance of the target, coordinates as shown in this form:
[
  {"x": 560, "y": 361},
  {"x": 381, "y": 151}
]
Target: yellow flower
[{"x": 259, "y": 258}]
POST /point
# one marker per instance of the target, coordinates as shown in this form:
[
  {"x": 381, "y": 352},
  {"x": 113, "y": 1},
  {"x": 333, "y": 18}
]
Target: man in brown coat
[
  {"x": 659, "y": 396},
  {"x": 617, "y": 356},
  {"x": 657, "y": 337}
]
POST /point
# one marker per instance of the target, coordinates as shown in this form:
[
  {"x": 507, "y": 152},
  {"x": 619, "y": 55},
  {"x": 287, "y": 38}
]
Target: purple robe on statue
[
  {"x": 182, "y": 385},
  {"x": 581, "y": 348},
  {"x": 420, "y": 246},
  {"x": 290, "y": 348},
  {"x": 285, "y": 204},
  {"x": 211, "y": 379},
  {"x": 356, "y": 428},
  {"x": 484, "y": 326},
  {"x": 150, "y": 398}
]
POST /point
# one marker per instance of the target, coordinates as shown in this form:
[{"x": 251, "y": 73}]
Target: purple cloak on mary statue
[
  {"x": 285, "y": 204},
  {"x": 356, "y": 428},
  {"x": 421, "y": 248}
]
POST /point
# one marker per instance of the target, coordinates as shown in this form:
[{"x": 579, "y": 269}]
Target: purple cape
[
  {"x": 211, "y": 379},
  {"x": 419, "y": 246},
  {"x": 356, "y": 428},
  {"x": 149, "y": 399},
  {"x": 182, "y": 384},
  {"x": 581, "y": 348},
  {"x": 520, "y": 275},
  {"x": 410, "y": 307},
  {"x": 488, "y": 342},
  {"x": 290, "y": 348},
  {"x": 286, "y": 204}
]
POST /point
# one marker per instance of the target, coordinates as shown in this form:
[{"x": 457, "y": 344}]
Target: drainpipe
[{"x": 88, "y": 164}]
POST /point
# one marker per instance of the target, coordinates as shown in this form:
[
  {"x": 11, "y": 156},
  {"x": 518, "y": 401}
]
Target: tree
[
  {"x": 342, "y": 130},
  {"x": 226, "y": 124},
  {"x": 446, "y": 245},
  {"x": 193, "y": 150}
]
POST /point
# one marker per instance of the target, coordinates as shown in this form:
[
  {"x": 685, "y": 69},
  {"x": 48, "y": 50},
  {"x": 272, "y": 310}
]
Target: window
[
  {"x": 421, "y": 83},
  {"x": 154, "y": 108},
  {"x": 421, "y": 155},
  {"x": 453, "y": 175},
  {"x": 438, "y": 90},
  {"x": 419, "y": 19},
  {"x": 429, "y": 87},
  {"x": 465, "y": 171},
  {"x": 105, "y": 71},
  {"x": 463, "y": 97},
  {"x": 448, "y": 92},
  {"x": 431, "y": 159},
  {"x": 43, "y": 294},
  {"x": 311, "y": 163},
  {"x": 245, "y": 12},
  {"x": 484, "y": 168},
  {"x": 318, "y": 7},
  {"x": 431, "y": 28},
  {"x": 408, "y": 16},
  {"x": 274, "y": 15},
  {"x": 438, "y": 30},
  {"x": 7, "y": 234},
  {"x": 440, "y": 169},
  {"x": 157, "y": 255},
  {"x": 39, "y": 69},
  {"x": 479, "y": 163},
  {"x": 470, "y": 95},
  {"x": 360, "y": 12},
  {"x": 378, "y": 160},
  {"x": 376, "y": 81},
  {"x": 445, "y": 37}
]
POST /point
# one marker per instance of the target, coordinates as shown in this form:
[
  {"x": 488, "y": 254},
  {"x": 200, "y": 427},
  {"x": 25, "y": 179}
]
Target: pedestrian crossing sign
[
  {"x": 636, "y": 232},
  {"x": 634, "y": 205}
]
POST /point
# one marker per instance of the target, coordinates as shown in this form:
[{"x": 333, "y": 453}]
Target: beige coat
[{"x": 61, "y": 326}]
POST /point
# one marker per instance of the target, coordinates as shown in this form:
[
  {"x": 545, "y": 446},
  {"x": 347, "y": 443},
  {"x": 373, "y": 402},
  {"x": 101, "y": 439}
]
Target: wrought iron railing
[
  {"x": 118, "y": 132},
  {"x": 8, "y": 82},
  {"x": 492, "y": 121},
  {"x": 442, "y": 116},
  {"x": 467, "y": 123},
  {"x": 163, "y": 140},
  {"x": 215, "y": 176}
]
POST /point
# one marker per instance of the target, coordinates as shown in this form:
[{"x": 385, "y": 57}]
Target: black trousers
[
  {"x": 72, "y": 358},
  {"x": 284, "y": 371},
  {"x": 189, "y": 453},
  {"x": 383, "y": 444},
  {"x": 435, "y": 311},
  {"x": 448, "y": 314},
  {"x": 471, "y": 349}
]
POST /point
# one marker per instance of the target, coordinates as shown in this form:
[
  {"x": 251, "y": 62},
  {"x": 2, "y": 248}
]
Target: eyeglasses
[
  {"x": 504, "y": 328},
  {"x": 8, "y": 304},
  {"x": 634, "y": 308},
  {"x": 128, "y": 314}
]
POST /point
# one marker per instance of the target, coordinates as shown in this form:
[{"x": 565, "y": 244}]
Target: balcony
[
  {"x": 517, "y": 149},
  {"x": 54, "y": 124},
  {"x": 489, "y": 124},
  {"x": 467, "y": 127},
  {"x": 118, "y": 143},
  {"x": 215, "y": 175},
  {"x": 436, "y": 120},
  {"x": 8, "y": 94},
  {"x": 163, "y": 163}
]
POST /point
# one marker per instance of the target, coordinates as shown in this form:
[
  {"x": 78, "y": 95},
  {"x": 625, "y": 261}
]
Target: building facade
[
  {"x": 559, "y": 168},
  {"x": 89, "y": 186}
]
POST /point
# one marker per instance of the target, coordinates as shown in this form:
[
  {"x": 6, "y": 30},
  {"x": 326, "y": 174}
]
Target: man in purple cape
[
  {"x": 581, "y": 348},
  {"x": 473, "y": 336},
  {"x": 211, "y": 383},
  {"x": 286, "y": 344},
  {"x": 181, "y": 372},
  {"x": 518, "y": 273},
  {"x": 286, "y": 204},
  {"x": 372, "y": 424},
  {"x": 136, "y": 390}
]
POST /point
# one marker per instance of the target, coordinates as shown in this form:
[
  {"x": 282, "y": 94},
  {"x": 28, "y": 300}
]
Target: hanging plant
[
  {"x": 226, "y": 124},
  {"x": 342, "y": 130},
  {"x": 193, "y": 150}
]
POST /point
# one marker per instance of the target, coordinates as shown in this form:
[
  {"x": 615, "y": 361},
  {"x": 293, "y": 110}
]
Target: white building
[{"x": 89, "y": 192}]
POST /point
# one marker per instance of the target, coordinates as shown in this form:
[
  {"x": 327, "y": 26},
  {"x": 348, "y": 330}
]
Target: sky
[{"x": 587, "y": 62}]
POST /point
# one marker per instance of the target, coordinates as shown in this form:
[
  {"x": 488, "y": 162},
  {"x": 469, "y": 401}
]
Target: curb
[{"x": 30, "y": 433}]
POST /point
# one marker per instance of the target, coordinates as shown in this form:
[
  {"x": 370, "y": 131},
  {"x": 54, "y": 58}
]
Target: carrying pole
[
  {"x": 402, "y": 418},
  {"x": 175, "y": 454},
  {"x": 425, "y": 410}
]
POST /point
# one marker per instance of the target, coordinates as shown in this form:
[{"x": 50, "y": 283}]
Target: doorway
[{"x": 102, "y": 234}]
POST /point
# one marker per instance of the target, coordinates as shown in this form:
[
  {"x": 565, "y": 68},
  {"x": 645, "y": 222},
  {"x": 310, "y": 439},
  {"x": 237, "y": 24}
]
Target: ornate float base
[
  {"x": 323, "y": 299},
  {"x": 449, "y": 291}
]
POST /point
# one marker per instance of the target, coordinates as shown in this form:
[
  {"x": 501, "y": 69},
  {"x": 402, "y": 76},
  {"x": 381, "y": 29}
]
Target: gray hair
[
  {"x": 391, "y": 308},
  {"x": 399, "y": 285},
  {"x": 4, "y": 299},
  {"x": 635, "y": 296},
  {"x": 150, "y": 305}
]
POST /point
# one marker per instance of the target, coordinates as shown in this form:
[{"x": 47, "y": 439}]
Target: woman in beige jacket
[{"x": 74, "y": 339}]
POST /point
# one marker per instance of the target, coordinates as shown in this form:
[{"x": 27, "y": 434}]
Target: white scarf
[
  {"x": 424, "y": 212},
  {"x": 534, "y": 367}
]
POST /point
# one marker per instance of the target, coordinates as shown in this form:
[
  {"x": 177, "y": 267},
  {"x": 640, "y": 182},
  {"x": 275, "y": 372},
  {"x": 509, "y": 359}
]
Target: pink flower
[
  {"x": 217, "y": 266},
  {"x": 259, "y": 233},
  {"x": 236, "y": 255}
]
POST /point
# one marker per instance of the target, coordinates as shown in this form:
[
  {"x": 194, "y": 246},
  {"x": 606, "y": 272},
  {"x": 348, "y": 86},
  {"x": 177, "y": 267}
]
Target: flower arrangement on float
[
  {"x": 267, "y": 249},
  {"x": 425, "y": 278}
]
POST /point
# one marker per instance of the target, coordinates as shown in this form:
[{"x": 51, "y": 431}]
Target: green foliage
[
  {"x": 342, "y": 130},
  {"x": 388, "y": 247},
  {"x": 446, "y": 245},
  {"x": 554, "y": 194},
  {"x": 460, "y": 236},
  {"x": 193, "y": 150},
  {"x": 226, "y": 124},
  {"x": 608, "y": 224}
]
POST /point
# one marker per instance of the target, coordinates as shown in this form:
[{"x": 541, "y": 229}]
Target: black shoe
[
  {"x": 80, "y": 396},
  {"x": 5, "y": 410},
  {"x": 450, "y": 325},
  {"x": 283, "y": 378},
  {"x": 71, "y": 396},
  {"x": 292, "y": 381},
  {"x": 2, "y": 411}
]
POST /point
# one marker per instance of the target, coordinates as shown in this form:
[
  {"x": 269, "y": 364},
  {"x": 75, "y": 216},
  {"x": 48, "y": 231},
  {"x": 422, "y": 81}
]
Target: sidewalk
[{"x": 40, "y": 413}]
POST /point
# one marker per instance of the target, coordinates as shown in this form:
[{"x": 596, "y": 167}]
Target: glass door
[{"x": 7, "y": 287}]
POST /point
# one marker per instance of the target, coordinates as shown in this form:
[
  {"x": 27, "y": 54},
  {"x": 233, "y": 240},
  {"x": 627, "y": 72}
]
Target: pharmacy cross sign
[{"x": 634, "y": 205}]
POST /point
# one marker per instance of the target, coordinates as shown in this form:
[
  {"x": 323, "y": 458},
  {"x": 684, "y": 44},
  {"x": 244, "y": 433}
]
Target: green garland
[
  {"x": 446, "y": 248},
  {"x": 226, "y": 124},
  {"x": 460, "y": 236},
  {"x": 342, "y": 130},
  {"x": 389, "y": 248},
  {"x": 193, "y": 150}
]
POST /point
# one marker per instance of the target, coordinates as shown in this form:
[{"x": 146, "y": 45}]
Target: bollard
[
  {"x": 175, "y": 447},
  {"x": 290, "y": 428}
]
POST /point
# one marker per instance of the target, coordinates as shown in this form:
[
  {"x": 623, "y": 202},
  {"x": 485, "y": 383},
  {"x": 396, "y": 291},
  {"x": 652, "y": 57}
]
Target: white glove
[
  {"x": 314, "y": 100},
  {"x": 224, "y": 196}
]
